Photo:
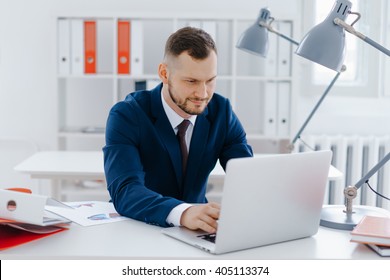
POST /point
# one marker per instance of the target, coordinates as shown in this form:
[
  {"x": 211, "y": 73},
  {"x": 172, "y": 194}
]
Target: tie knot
[{"x": 182, "y": 127}]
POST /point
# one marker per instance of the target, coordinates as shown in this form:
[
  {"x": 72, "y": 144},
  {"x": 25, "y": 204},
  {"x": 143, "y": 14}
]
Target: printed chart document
[{"x": 89, "y": 213}]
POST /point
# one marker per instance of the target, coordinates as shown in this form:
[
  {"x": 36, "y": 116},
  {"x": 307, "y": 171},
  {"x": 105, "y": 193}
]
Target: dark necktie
[{"x": 181, "y": 135}]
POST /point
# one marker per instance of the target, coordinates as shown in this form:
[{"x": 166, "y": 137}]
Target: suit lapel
[
  {"x": 166, "y": 133},
  {"x": 197, "y": 147}
]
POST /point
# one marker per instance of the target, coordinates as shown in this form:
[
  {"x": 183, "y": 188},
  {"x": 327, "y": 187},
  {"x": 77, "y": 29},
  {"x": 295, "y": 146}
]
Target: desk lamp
[
  {"x": 255, "y": 41},
  {"x": 325, "y": 45}
]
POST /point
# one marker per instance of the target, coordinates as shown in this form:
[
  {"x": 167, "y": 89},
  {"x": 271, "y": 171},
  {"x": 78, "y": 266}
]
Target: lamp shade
[
  {"x": 325, "y": 43},
  {"x": 255, "y": 39}
]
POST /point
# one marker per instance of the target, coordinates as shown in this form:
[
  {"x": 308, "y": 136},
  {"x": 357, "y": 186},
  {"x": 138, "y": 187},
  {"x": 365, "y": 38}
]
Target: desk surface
[
  {"x": 89, "y": 165},
  {"x": 137, "y": 240},
  {"x": 64, "y": 164},
  {"x": 131, "y": 239},
  {"x": 73, "y": 165}
]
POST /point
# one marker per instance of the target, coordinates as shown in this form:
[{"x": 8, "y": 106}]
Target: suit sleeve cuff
[{"x": 174, "y": 216}]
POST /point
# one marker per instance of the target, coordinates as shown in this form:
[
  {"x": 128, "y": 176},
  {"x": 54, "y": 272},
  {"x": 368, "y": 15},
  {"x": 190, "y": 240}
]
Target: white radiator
[{"x": 354, "y": 156}]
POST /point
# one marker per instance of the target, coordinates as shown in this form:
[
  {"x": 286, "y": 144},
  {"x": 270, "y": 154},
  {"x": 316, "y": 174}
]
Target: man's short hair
[{"x": 197, "y": 42}]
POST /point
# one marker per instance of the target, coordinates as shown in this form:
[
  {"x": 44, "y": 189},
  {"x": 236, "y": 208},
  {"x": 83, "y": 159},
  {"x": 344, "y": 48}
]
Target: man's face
[{"x": 190, "y": 83}]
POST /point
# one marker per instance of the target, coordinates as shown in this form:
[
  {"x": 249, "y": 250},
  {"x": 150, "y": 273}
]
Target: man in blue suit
[{"x": 142, "y": 155}]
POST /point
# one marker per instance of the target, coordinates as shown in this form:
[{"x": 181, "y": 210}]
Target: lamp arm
[
  {"x": 377, "y": 46},
  {"x": 315, "y": 109},
  {"x": 369, "y": 41},
  {"x": 372, "y": 171},
  {"x": 271, "y": 29},
  {"x": 350, "y": 192}
]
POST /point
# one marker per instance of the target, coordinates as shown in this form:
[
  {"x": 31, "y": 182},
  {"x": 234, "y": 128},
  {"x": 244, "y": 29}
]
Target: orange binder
[
  {"x": 90, "y": 47},
  {"x": 123, "y": 47}
]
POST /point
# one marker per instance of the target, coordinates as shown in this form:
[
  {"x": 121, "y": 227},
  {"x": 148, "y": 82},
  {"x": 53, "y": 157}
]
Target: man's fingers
[
  {"x": 215, "y": 205},
  {"x": 209, "y": 224},
  {"x": 213, "y": 211},
  {"x": 206, "y": 227},
  {"x": 202, "y": 217}
]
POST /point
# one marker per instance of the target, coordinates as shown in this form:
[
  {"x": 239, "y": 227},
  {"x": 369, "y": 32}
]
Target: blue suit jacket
[{"x": 142, "y": 159}]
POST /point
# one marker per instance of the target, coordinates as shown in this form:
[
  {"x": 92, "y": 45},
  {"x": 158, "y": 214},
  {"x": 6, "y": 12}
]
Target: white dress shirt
[{"x": 175, "y": 214}]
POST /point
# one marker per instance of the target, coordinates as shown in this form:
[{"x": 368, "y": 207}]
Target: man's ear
[{"x": 163, "y": 72}]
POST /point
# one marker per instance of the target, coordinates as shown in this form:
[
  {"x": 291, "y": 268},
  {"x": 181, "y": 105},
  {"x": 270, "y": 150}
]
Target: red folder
[
  {"x": 90, "y": 47},
  {"x": 11, "y": 237},
  {"x": 123, "y": 47}
]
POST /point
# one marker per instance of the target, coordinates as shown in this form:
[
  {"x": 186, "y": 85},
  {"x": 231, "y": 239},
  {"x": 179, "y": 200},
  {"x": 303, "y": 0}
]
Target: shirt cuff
[{"x": 174, "y": 216}]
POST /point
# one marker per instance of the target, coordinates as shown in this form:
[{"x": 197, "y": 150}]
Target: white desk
[
  {"x": 76, "y": 165},
  {"x": 88, "y": 165},
  {"x": 62, "y": 165},
  {"x": 136, "y": 240}
]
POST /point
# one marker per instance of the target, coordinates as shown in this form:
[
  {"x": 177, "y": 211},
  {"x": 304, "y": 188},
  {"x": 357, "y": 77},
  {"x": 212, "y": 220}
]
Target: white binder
[
  {"x": 136, "y": 48},
  {"x": 271, "y": 62},
  {"x": 77, "y": 47},
  {"x": 63, "y": 47},
  {"x": 284, "y": 97},
  {"x": 284, "y": 50},
  {"x": 270, "y": 109},
  {"x": 105, "y": 48},
  {"x": 29, "y": 208}
]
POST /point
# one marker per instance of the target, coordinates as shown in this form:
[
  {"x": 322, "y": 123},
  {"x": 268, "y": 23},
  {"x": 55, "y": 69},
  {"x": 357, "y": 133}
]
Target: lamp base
[{"x": 333, "y": 216}]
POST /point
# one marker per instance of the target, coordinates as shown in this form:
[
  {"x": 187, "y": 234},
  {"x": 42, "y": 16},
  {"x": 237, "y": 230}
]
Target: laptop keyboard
[{"x": 208, "y": 237}]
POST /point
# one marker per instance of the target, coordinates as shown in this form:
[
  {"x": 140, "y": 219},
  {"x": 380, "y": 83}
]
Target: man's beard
[{"x": 184, "y": 105}]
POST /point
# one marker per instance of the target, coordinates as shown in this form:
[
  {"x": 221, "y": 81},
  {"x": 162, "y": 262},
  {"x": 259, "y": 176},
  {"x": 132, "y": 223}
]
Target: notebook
[{"x": 266, "y": 200}]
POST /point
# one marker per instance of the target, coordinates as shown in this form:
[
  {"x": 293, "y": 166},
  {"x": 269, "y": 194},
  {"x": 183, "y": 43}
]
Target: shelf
[
  {"x": 137, "y": 77},
  {"x": 264, "y": 78},
  {"x": 87, "y": 76},
  {"x": 260, "y": 90},
  {"x": 82, "y": 132}
]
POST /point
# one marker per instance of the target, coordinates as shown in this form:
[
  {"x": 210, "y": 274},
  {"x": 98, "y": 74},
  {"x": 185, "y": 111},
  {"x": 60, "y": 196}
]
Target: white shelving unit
[
  {"x": 255, "y": 86},
  {"x": 261, "y": 90}
]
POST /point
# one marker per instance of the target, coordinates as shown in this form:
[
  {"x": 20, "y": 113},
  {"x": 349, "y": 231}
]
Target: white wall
[
  {"x": 27, "y": 66},
  {"x": 344, "y": 115},
  {"x": 365, "y": 108}
]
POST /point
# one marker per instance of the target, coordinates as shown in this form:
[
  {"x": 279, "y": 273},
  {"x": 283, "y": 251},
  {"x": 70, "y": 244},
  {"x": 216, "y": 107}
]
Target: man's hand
[{"x": 202, "y": 217}]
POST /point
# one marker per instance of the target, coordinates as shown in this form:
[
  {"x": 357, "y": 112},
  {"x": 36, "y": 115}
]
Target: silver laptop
[{"x": 265, "y": 200}]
